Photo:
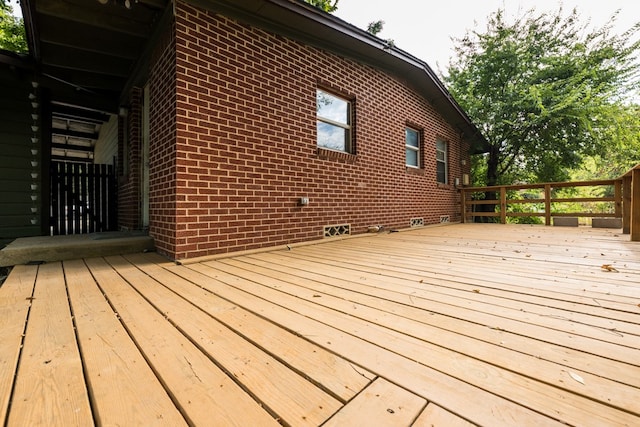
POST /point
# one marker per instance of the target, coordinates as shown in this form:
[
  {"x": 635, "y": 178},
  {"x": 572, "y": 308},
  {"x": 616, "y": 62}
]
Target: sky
[{"x": 423, "y": 28}]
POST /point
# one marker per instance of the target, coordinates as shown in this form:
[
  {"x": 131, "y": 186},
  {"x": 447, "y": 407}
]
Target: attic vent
[
  {"x": 337, "y": 230},
  {"x": 445, "y": 218},
  {"x": 417, "y": 222}
]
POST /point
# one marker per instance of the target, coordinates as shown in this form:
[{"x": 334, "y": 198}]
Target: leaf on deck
[
  {"x": 609, "y": 267},
  {"x": 576, "y": 377}
]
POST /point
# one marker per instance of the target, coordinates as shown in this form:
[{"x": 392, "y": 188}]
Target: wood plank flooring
[{"x": 457, "y": 325}]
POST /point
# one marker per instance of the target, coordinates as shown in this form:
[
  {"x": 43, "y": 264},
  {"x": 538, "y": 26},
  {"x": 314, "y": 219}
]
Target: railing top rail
[
  {"x": 628, "y": 173},
  {"x": 544, "y": 184}
]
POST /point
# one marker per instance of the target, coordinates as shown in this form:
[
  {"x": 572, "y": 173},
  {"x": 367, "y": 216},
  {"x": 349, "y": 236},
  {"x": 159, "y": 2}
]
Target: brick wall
[
  {"x": 129, "y": 155},
  {"x": 245, "y": 146},
  {"x": 164, "y": 199}
]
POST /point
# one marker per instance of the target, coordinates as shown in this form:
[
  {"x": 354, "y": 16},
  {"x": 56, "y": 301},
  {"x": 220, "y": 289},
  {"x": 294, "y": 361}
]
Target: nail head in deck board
[
  {"x": 50, "y": 388},
  {"x": 381, "y": 404},
  {"x": 292, "y": 398},
  {"x": 15, "y": 299},
  {"x": 124, "y": 390},
  {"x": 207, "y": 396},
  {"x": 341, "y": 377}
]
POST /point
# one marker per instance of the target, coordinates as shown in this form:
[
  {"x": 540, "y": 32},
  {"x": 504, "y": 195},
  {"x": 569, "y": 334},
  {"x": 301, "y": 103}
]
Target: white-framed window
[
  {"x": 412, "y": 147},
  {"x": 334, "y": 122},
  {"x": 441, "y": 162}
]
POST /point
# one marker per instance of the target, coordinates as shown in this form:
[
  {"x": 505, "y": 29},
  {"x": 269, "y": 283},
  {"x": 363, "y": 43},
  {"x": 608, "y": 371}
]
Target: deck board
[
  {"x": 15, "y": 300},
  {"x": 457, "y": 325},
  {"x": 204, "y": 392},
  {"x": 288, "y": 395},
  {"x": 50, "y": 389},
  {"x": 365, "y": 322},
  {"x": 124, "y": 388},
  {"x": 381, "y": 404},
  {"x": 335, "y": 374}
]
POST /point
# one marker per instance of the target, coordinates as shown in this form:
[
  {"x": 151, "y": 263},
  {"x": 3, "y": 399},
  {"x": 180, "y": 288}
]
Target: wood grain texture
[
  {"x": 467, "y": 324},
  {"x": 50, "y": 389},
  {"x": 124, "y": 389},
  {"x": 15, "y": 300}
]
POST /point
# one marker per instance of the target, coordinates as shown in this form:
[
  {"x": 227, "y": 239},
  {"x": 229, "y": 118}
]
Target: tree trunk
[{"x": 492, "y": 179}]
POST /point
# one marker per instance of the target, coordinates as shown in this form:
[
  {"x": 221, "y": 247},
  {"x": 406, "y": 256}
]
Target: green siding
[{"x": 20, "y": 159}]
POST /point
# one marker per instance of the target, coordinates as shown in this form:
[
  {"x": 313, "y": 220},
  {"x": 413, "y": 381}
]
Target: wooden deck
[{"x": 457, "y": 325}]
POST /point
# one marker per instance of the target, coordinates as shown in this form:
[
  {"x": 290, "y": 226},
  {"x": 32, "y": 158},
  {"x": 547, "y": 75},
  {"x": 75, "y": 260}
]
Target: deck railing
[{"x": 620, "y": 198}]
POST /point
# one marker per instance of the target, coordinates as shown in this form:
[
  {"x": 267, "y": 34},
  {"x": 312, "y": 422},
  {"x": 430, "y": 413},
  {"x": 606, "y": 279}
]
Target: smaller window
[
  {"x": 441, "y": 161},
  {"x": 412, "y": 147},
  {"x": 334, "y": 122}
]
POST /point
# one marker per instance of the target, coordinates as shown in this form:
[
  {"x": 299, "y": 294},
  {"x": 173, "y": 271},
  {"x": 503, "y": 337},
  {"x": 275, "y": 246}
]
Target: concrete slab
[
  {"x": 27, "y": 250},
  {"x": 606, "y": 223},
  {"x": 565, "y": 221}
]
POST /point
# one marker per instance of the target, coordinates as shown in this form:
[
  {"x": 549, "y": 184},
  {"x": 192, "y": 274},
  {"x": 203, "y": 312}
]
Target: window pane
[
  {"x": 332, "y": 108},
  {"x": 441, "y": 145},
  {"x": 332, "y": 137},
  {"x": 412, "y": 137},
  {"x": 441, "y": 172},
  {"x": 440, "y": 156},
  {"x": 412, "y": 157}
]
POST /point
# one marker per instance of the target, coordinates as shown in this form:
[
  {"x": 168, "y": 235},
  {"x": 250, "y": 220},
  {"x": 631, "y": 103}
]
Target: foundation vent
[
  {"x": 337, "y": 230},
  {"x": 445, "y": 218},
  {"x": 417, "y": 222}
]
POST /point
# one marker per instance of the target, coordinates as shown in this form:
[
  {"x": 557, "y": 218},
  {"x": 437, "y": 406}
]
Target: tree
[
  {"x": 12, "y": 32},
  {"x": 544, "y": 90},
  {"x": 326, "y": 5}
]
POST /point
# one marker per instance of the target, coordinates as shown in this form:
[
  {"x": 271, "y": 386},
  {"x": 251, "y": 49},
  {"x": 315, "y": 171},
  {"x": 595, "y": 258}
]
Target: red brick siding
[
  {"x": 164, "y": 200},
  {"x": 246, "y": 142},
  {"x": 129, "y": 179}
]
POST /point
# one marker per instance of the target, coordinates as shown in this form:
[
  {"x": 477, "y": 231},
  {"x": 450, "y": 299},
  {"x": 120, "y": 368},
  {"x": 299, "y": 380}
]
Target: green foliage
[
  {"x": 375, "y": 27},
  {"x": 326, "y": 5},
  {"x": 12, "y": 32},
  {"x": 623, "y": 151},
  {"x": 545, "y": 92}
]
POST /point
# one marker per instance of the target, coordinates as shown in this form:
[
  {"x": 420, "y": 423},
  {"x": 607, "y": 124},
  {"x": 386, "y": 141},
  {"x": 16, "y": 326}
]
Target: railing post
[
  {"x": 503, "y": 205},
  {"x": 463, "y": 205},
  {"x": 626, "y": 204},
  {"x": 547, "y": 204},
  {"x": 617, "y": 194},
  {"x": 635, "y": 205}
]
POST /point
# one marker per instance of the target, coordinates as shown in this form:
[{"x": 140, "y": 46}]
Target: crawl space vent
[
  {"x": 417, "y": 222},
  {"x": 445, "y": 218},
  {"x": 337, "y": 230}
]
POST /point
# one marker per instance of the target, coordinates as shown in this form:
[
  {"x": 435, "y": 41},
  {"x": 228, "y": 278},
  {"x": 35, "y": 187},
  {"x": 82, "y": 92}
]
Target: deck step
[{"x": 38, "y": 249}]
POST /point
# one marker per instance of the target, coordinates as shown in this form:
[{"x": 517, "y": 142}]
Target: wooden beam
[
  {"x": 54, "y": 30},
  {"x": 547, "y": 204},
  {"x": 69, "y": 147},
  {"x": 635, "y": 205},
  {"x": 75, "y": 133},
  {"x": 503, "y": 205},
  {"x": 626, "y": 204},
  {"x": 135, "y": 22}
]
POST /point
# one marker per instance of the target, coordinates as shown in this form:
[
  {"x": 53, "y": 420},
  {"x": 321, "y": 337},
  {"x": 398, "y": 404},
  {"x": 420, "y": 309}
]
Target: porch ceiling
[{"x": 87, "y": 50}]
